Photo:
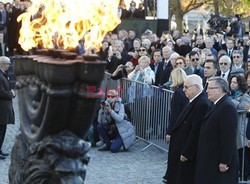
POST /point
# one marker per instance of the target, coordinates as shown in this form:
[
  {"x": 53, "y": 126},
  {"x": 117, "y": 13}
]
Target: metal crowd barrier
[
  {"x": 244, "y": 127},
  {"x": 150, "y": 109}
]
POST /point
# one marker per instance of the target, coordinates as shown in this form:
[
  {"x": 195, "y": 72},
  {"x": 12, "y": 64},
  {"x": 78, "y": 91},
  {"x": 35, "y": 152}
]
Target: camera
[
  {"x": 104, "y": 103},
  {"x": 124, "y": 66}
]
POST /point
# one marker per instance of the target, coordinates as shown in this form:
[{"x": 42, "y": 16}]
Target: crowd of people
[
  {"x": 9, "y": 27},
  {"x": 210, "y": 77}
]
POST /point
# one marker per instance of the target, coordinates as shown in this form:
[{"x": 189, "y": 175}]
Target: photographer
[
  {"x": 122, "y": 71},
  {"x": 237, "y": 29},
  {"x": 117, "y": 56},
  {"x": 113, "y": 127}
]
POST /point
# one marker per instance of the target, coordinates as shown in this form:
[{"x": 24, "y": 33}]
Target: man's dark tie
[
  {"x": 223, "y": 75},
  {"x": 229, "y": 53}
]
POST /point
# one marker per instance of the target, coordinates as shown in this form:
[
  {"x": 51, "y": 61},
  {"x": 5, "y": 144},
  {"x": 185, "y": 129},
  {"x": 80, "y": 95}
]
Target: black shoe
[
  {"x": 2, "y": 157},
  {"x": 104, "y": 148},
  {"x": 4, "y": 154}
]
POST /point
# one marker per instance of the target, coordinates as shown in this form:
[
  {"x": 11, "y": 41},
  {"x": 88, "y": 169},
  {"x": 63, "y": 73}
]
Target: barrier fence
[{"x": 150, "y": 109}]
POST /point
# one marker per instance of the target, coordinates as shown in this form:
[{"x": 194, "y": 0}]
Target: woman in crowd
[
  {"x": 113, "y": 128},
  {"x": 173, "y": 58},
  {"x": 143, "y": 72},
  {"x": 142, "y": 51},
  {"x": 178, "y": 101},
  {"x": 241, "y": 100},
  {"x": 123, "y": 71},
  {"x": 136, "y": 44}
]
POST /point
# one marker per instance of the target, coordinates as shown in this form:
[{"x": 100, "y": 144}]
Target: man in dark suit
[
  {"x": 217, "y": 156},
  {"x": 157, "y": 66},
  {"x": 166, "y": 66},
  {"x": 225, "y": 67},
  {"x": 229, "y": 47},
  {"x": 185, "y": 134},
  {"x": 6, "y": 95}
]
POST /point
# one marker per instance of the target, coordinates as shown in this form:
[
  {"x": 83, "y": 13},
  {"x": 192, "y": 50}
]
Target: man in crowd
[
  {"x": 229, "y": 47},
  {"x": 3, "y": 27},
  {"x": 167, "y": 67},
  {"x": 117, "y": 56},
  {"x": 238, "y": 64},
  {"x": 210, "y": 70},
  {"x": 195, "y": 59},
  {"x": 217, "y": 156},
  {"x": 199, "y": 42},
  {"x": 6, "y": 95},
  {"x": 209, "y": 42},
  {"x": 224, "y": 64},
  {"x": 157, "y": 66},
  {"x": 185, "y": 134}
]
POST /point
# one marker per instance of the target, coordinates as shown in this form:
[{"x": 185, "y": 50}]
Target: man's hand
[
  {"x": 223, "y": 167},
  {"x": 118, "y": 55},
  {"x": 183, "y": 159},
  {"x": 168, "y": 138},
  {"x": 13, "y": 94},
  {"x": 248, "y": 143}
]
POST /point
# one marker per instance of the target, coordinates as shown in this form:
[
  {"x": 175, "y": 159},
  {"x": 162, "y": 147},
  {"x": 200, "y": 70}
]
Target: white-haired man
[
  {"x": 224, "y": 64},
  {"x": 6, "y": 95},
  {"x": 185, "y": 134}
]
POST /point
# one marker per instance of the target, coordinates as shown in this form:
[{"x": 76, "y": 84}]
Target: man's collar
[{"x": 218, "y": 99}]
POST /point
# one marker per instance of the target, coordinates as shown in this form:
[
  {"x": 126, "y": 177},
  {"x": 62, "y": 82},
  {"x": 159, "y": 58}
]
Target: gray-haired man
[{"x": 6, "y": 95}]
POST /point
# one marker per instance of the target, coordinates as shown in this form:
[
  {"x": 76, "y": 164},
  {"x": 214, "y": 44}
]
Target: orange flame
[{"x": 63, "y": 23}]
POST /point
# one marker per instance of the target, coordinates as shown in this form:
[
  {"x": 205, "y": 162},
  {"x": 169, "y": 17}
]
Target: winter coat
[{"x": 125, "y": 128}]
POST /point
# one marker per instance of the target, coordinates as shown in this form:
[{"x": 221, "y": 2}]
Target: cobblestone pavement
[{"x": 130, "y": 167}]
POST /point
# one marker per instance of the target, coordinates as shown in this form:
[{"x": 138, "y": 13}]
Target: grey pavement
[{"x": 132, "y": 166}]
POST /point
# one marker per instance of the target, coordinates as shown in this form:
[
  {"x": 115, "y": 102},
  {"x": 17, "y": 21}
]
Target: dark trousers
[
  {"x": 2, "y": 134},
  {"x": 114, "y": 144}
]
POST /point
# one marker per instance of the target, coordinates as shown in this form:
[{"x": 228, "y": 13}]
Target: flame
[{"x": 62, "y": 23}]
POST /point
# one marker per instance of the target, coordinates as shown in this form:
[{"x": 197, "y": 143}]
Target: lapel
[
  {"x": 4, "y": 75},
  {"x": 187, "y": 110},
  {"x": 215, "y": 106}
]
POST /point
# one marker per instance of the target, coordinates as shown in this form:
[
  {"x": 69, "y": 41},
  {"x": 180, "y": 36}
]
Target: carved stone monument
[{"x": 55, "y": 114}]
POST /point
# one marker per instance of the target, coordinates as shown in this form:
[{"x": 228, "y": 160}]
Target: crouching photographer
[{"x": 113, "y": 127}]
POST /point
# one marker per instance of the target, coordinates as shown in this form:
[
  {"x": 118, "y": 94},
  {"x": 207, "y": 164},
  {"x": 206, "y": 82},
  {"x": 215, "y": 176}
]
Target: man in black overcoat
[
  {"x": 217, "y": 156},
  {"x": 6, "y": 95},
  {"x": 185, "y": 134}
]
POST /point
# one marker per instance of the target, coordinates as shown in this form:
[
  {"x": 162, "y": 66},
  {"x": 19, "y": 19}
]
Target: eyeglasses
[
  {"x": 213, "y": 88},
  {"x": 142, "y": 50},
  {"x": 223, "y": 64},
  {"x": 179, "y": 63},
  {"x": 236, "y": 56},
  {"x": 186, "y": 87},
  {"x": 108, "y": 96},
  {"x": 195, "y": 59}
]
